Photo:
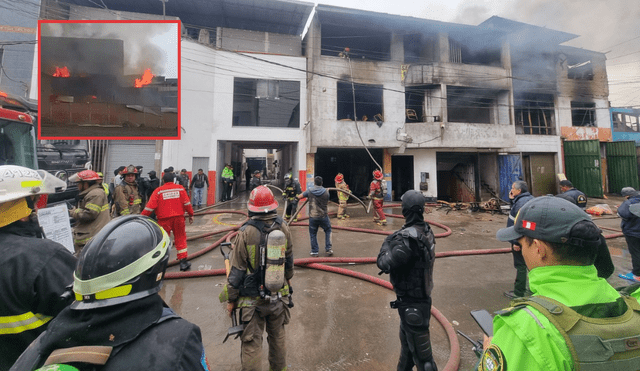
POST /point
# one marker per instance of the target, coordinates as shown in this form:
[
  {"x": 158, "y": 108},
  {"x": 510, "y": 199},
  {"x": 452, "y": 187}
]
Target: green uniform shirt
[{"x": 525, "y": 339}]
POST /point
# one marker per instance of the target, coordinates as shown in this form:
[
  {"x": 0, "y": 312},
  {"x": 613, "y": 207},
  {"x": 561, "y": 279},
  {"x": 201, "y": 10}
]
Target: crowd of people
[{"x": 100, "y": 306}]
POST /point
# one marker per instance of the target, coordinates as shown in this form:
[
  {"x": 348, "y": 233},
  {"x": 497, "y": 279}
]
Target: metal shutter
[{"x": 126, "y": 152}]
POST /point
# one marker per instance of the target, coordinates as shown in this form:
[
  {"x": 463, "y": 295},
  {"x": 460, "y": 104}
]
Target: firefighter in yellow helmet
[
  {"x": 92, "y": 212},
  {"x": 35, "y": 271}
]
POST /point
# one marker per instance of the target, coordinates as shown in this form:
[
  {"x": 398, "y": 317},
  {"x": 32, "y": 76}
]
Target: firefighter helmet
[
  {"x": 377, "y": 174},
  {"x": 84, "y": 176},
  {"x": 129, "y": 170},
  {"x": 287, "y": 176},
  {"x": 18, "y": 182},
  {"x": 124, "y": 262},
  {"x": 261, "y": 200},
  {"x": 339, "y": 178}
]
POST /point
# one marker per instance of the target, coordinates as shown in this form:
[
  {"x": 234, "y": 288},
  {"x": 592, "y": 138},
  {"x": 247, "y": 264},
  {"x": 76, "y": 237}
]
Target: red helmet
[
  {"x": 377, "y": 174},
  {"x": 129, "y": 170},
  {"x": 261, "y": 200},
  {"x": 339, "y": 178},
  {"x": 84, "y": 176}
]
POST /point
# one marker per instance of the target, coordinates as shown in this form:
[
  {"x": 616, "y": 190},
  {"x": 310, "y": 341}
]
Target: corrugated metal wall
[
  {"x": 622, "y": 165},
  {"x": 582, "y": 164},
  {"x": 510, "y": 171}
]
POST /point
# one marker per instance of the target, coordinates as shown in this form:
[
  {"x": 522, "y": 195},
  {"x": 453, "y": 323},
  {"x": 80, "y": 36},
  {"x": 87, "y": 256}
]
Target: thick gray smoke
[
  {"x": 140, "y": 52},
  {"x": 611, "y": 27}
]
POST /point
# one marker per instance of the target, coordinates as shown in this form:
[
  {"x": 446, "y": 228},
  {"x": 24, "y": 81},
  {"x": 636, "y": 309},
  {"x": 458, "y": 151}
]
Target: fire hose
[{"x": 454, "y": 358}]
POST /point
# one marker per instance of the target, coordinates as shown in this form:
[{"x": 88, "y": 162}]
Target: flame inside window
[
  {"x": 145, "y": 80},
  {"x": 61, "y": 72}
]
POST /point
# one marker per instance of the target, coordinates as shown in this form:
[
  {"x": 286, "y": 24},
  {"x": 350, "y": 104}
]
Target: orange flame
[
  {"x": 145, "y": 80},
  {"x": 61, "y": 72}
]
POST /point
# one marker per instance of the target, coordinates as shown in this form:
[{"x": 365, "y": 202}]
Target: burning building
[{"x": 83, "y": 85}]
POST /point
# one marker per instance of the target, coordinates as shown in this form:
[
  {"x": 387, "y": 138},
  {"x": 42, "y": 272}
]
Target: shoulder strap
[{"x": 95, "y": 355}]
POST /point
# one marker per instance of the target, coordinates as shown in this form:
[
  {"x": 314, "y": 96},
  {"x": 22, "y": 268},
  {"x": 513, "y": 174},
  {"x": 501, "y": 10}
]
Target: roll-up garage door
[{"x": 126, "y": 152}]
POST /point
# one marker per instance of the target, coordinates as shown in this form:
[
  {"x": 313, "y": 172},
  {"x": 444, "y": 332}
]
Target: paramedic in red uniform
[{"x": 170, "y": 201}]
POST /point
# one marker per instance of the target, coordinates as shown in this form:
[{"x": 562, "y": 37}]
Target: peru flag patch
[{"x": 529, "y": 225}]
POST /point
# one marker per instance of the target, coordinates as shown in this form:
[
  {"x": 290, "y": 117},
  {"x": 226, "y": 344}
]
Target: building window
[
  {"x": 368, "y": 102},
  {"x": 487, "y": 55},
  {"x": 579, "y": 68},
  {"x": 363, "y": 43},
  {"x": 583, "y": 114},
  {"x": 266, "y": 103},
  {"x": 470, "y": 105},
  {"x": 625, "y": 122},
  {"x": 534, "y": 114}
]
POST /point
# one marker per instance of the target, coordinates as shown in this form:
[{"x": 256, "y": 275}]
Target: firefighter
[
  {"x": 35, "y": 271},
  {"x": 342, "y": 197},
  {"x": 376, "y": 193},
  {"x": 105, "y": 186},
  {"x": 127, "y": 198},
  {"x": 169, "y": 202},
  {"x": 408, "y": 256},
  {"x": 92, "y": 212},
  {"x": 118, "y": 321},
  {"x": 575, "y": 319},
  {"x": 261, "y": 307},
  {"x": 291, "y": 190}
]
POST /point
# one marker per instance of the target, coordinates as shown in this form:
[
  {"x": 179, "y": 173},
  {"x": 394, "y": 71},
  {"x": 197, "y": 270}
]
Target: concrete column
[
  {"x": 443, "y": 48},
  {"x": 397, "y": 48},
  {"x": 386, "y": 170}
]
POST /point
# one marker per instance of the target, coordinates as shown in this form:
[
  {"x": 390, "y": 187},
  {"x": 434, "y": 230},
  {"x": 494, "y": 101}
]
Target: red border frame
[{"x": 179, "y": 29}]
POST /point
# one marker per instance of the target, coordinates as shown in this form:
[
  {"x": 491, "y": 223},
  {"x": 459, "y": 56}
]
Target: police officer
[
  {"x": 575, "y": 320},
  {"x": 92, "y": 212},
  {"x": 127, "y": 198},
  {"x": 118, "y": 321},
  {"x": 291, "y": 190},
  {"x": 258, "y": 308},
  {"x": 35, "y": 271},
  {"x": 629, "y": 212},
  {"x": 572, "y": 195},
  {"x": 227, "y": 182},
  {"x": 519, "y": 196},
  {"x": 408, "y": 256}
]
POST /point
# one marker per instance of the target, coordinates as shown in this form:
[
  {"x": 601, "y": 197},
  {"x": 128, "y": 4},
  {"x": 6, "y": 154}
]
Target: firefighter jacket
[
  {"x": 341, "y": 195},
  {"x": 245, "y": 259},
  {"x": 127, "y": 199},
  {"x": 145, "y": 336},
  {"x": 291, "y": 190},
  {"x": 35, "y": 272},
  {"x": 167, "y": 201},
  {"x": 375, "y": 190},
  {"x": 524, "y": 339},
  {"x": 91, "y": 215}
]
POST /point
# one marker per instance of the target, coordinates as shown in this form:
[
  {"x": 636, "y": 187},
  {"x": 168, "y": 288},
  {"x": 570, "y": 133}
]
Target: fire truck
[{"x": 19, "y": 146}]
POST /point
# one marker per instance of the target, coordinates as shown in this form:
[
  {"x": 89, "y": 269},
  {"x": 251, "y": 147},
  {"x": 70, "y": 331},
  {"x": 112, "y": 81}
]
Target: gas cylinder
[{"x": 274, "y": 272}]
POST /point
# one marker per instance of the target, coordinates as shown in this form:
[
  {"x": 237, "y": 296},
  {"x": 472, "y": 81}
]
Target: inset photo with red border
[{"x": 109, "y": 79}]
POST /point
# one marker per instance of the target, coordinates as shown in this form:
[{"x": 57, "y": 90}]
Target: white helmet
[{"x": 18, "y": 182}]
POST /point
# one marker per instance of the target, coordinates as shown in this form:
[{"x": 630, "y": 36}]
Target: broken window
[
  {"x": 368, "y": 102},
  {"x": 470, "y": 105},
  {"x": 625, "y": 122},
  {"x": 583, "y": 114},
  {"x": 486, "y": 56},
  {"x": 534, "y": 114},
  {"x": 419, "y": 48},
  {"x": 266, "y": 103},
  {"x": 363, "y": 43}
]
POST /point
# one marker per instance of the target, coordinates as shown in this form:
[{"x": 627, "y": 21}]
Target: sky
[{"x": 609, "y": 26}]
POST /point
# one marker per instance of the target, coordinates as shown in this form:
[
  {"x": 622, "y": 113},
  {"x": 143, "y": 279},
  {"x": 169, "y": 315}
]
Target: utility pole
[{"x": 164, "y": 8}]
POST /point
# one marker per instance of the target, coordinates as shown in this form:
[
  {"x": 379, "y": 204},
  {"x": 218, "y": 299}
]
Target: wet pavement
[{"x": 343, "y": 323}]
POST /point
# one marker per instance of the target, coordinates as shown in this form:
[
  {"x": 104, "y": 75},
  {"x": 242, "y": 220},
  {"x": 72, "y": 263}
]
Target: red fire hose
[{"x": 454, "y": 357}]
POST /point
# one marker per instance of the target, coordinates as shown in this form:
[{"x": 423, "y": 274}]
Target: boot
[{"x": 185, "y": 265}]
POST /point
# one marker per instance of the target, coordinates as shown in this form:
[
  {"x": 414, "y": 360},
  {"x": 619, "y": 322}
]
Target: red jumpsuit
[
  {"x": 170, "y": 201},
  {"x": 375, "y": 192}
]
